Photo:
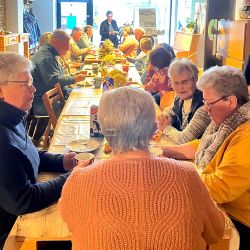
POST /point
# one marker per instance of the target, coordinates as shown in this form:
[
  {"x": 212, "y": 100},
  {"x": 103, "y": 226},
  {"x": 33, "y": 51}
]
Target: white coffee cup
[{"x": 83, "y": 157}]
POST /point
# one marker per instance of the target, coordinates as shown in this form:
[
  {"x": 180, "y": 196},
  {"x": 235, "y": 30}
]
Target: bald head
[{"x": 60, "y": 41}]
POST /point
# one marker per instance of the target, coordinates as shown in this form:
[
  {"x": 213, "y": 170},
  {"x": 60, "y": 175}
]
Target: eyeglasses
[
  {"x": 212, "y": 103},
  {"x": 26, "y": 84},
  {"x": 183, "y": 82}
]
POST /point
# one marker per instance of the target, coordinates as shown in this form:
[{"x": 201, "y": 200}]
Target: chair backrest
[
  {"x": 167, "y": 99},
  {"x": 54, "y": 101},
  {"x": 186, "y": 45}
]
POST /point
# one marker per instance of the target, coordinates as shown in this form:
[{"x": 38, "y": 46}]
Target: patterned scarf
[{"x": 215, "y": 135}]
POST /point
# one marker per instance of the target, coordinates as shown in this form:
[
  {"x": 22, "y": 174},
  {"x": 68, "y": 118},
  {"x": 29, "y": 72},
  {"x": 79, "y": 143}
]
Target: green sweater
[{"x": 46, "y": 73}]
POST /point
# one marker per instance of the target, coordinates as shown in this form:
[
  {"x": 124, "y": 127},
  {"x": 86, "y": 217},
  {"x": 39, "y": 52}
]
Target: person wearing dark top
[
  {"x": 20, "y": 162},
  {"x": 168, "y": 48},
  {"x": 247, "y": 73},
  {"x": 185, "y": 119},
  {"x": 109, "y": 29},
  {"x": 48, "y": 70}
]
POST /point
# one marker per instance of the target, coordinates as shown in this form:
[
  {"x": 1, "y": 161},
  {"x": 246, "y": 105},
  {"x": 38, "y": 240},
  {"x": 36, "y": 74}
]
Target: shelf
[{"x": 15, "y": 38}]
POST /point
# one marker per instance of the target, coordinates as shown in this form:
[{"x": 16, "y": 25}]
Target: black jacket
[
  {"x": 104, "y": 32},
  {"x": 197, "y": 101},
  {"x": 20, "y": 163},
  {"x": 247, "y": 71}
]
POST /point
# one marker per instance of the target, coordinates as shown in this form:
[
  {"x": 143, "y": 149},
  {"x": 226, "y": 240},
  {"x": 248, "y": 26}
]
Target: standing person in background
[
  {"x": 20, "y": 162},
  {"x": 85, "y": 39},
  {"x": 109, "y": 29}
]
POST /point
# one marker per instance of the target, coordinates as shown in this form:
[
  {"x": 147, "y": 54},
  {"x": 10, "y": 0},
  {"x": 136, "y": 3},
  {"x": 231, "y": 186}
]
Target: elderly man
[
  {"x": 139, "y": 33},
  {"x": 85, "y": 41},
  {"x": 48, "y": 70},
  {"x": 77, "y": 54}
]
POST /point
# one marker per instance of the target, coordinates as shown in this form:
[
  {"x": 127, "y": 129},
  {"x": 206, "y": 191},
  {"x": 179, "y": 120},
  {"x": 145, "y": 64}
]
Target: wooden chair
[
  {"x": 185, "y": 45},
  {"x": 32, "y": 124},
  {"x": 50, "y": 99},
  {"x": 167, "y": 99}
]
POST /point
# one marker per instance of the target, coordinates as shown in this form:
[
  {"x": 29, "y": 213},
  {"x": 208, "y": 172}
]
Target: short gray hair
[
  {"x": 225, "y": 81},
  {"x": 11, "y": 64},
  {"x": 181, "y": 65},
  {"x": 75, "y": 29},
  {"x": 127, "y": 118}
]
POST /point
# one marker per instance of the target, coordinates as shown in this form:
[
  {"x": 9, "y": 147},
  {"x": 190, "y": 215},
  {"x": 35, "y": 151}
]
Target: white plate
[
  {"x": 135, "y": 85},
  {"x": 82, "y": 146}
]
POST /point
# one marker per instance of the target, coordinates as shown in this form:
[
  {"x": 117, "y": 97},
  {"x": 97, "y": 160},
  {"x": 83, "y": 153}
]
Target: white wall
[
  {"x": 14, "y": 16},
  {"x": 45, "y": 12},
  {"x": 14, "y": 21}
]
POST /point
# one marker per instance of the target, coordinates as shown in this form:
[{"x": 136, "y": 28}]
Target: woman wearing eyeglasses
[
  {"x": 185, "y": 119},
  {"x": 20, "y": 161},
  {"x": 134, "y": 199},
  {"x": 222, "y": 155}
]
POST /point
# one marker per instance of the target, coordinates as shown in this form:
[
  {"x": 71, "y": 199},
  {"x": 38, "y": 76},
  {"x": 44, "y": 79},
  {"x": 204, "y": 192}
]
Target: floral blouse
[{"x": 157, "y": 81}]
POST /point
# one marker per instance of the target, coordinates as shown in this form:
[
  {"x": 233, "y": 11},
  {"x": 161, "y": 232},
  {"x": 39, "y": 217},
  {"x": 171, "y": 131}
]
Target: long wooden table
[{"x": 73, "y": 123}]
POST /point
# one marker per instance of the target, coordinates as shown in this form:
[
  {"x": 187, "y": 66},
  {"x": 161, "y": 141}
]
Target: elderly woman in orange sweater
[{"x": 135, "y": 200}]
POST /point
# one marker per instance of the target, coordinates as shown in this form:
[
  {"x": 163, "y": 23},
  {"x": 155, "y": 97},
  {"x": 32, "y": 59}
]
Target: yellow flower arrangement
[
  {"x": 119, "y": 78},
  {"x": 109, "y": 60},
  {"x": 106, "y": 48}
]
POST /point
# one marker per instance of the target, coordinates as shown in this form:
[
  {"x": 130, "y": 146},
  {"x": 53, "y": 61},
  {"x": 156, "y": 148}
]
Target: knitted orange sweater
[{"x": 137, "y": 201}]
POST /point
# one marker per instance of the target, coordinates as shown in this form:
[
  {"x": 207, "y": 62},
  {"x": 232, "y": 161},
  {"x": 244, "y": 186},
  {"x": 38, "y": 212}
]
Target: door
[{"x": 74, "y": 13}]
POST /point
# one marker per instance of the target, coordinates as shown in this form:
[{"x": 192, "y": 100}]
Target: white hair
[
  {"x": 182, "y": 65},
  {"x": 127, "y": 118},
  {"x": 12, "y": 64},
  {"x": 225, "y": 81}
]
